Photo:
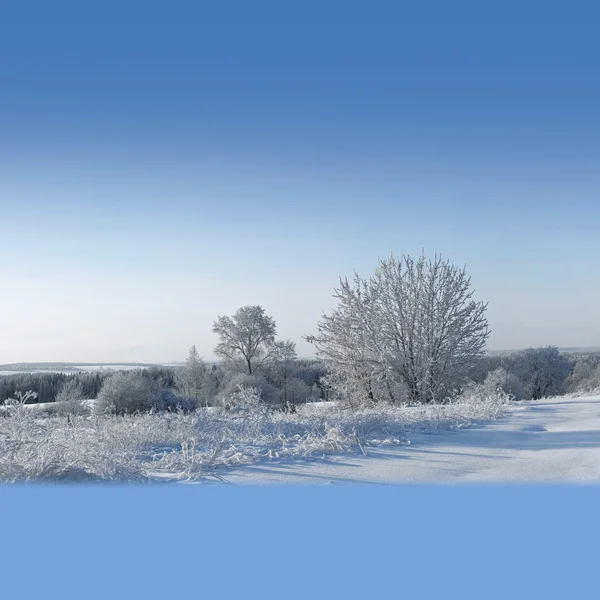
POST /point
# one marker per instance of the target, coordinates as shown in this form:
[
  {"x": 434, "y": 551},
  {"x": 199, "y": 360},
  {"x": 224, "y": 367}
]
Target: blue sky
[{"x": 158, "y": 169}]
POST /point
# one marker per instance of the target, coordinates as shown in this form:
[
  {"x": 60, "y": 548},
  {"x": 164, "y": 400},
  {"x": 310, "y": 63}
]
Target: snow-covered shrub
[
  {"x": 15, "y": 406},
  {"x": 585, "y": 381},
  {"x": 233, "y": 381},
  {"x": 503, "y": 380},
  {"x": 131, "y": 392},
  {"x": 294, "y": 391},
  {"x": 124, "y": 393},
  {"x": 178, "y": 445},
  {"x": 356, "y": 390},
  {"x": 167, "y": 400},
  {"x": 246, "y": 412},
  {"x": 593, "y": 384},
  {"x": 484, "y": 402},
  {"x": 70, "y": 400},
  {"x": 543, "y": 371}
]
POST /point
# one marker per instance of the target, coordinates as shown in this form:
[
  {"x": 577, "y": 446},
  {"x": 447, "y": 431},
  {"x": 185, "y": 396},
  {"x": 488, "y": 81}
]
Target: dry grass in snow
[{"x": 180, "y": 446}]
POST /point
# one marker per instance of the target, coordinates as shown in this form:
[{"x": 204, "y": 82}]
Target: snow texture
[
  {"x": 549, "y": 441},
  {"x": 197, "y": 445},
  {"x": 480, "y": 439}
]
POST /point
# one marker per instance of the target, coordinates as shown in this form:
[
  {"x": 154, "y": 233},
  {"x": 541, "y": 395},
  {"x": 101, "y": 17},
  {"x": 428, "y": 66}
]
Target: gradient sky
[{"x": 158, "y": 169}]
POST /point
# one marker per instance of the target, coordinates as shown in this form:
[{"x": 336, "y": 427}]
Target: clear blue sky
[{"x": 163, "y": 166}]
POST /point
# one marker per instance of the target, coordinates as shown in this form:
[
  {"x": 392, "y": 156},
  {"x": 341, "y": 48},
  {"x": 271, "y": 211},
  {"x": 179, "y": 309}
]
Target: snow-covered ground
[
  {"x": 556, "y": 440},
  {"x": 49, "y": 445}
]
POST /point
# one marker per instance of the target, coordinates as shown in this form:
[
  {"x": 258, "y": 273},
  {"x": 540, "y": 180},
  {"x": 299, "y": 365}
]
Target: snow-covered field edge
[{"x": 204, "y": 443}]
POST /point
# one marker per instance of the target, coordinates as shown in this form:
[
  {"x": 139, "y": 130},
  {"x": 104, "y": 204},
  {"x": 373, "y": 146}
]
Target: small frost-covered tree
[
  {"x": 410, "y": 332},
  {"x": 283, "y": 375},
  {"x": 195, "y": 381},
  {"x": 70, "y": 400},
  {"x": 247, "y": 339}
]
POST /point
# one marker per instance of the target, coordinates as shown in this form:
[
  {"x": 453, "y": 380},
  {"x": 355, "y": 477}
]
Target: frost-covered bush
[
  {"x": 505, "y": 381},
  {"x": 70, "y": 400},
  {"x": 153, "y": 446},
  {"x": 357, "y": 390},
  {"x": 543, "y": 371},
  {"x": 593, "y": 384},
  {"x": 293, "y": 391},
  {"x": 15, "y": 406},
  {"x": 590, "y": 384},
  {"x": 230, "y": 386},
  {"x": 585, "y": 376},
  {"x": 167, "y": 400},
  {"x": 131, "y": 392},
  {"x": 246, "y": 401},
  {"x": 491, "y": 402},
  {"x": 245, "y": 411},
  {"x": 124, "y": 393}
]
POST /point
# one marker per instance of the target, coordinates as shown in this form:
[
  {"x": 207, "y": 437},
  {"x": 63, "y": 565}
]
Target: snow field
[{"x": 554, "y": 440}]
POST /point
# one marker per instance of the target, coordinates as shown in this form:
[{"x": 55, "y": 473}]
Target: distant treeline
[
  {"x": 527, "y": 374},
  {"x": 535, "y": 373},
  {"x": 48, "y": 385}
]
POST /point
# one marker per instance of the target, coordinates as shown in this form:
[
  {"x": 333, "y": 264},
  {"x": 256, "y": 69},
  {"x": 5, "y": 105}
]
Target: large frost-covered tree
[
  {"x": 410, "y": 332},
  {"x": 247, "y": 339}
]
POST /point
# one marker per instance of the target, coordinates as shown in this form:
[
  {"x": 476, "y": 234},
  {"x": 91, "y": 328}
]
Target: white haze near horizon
[
  {"x": 113, "y": 320},
  {"x": 141, "y": 281}
]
